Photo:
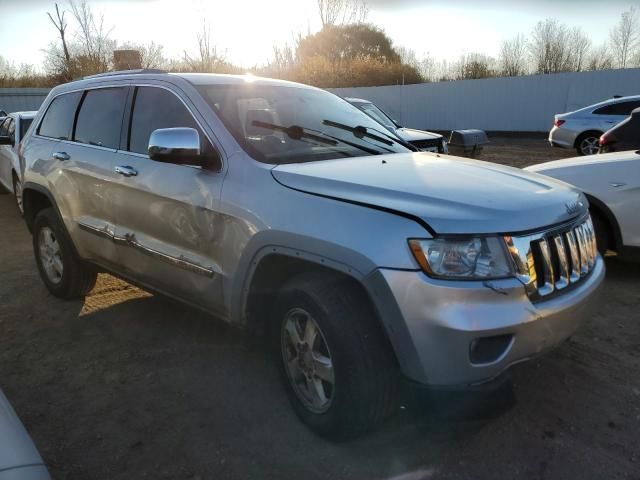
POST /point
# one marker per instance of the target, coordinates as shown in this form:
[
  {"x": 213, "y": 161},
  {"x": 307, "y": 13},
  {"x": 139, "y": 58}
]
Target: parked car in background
[
  {"x": 624, "y": 136},
  {"x": 19, "y": 458},
  {"x": 582, "y": 128},
  {"x": 421, "y": 139},
  {"x": 611, "y": 183},
  {"x": 12, "y": 131},
  {"x": 282, "y": 208}
]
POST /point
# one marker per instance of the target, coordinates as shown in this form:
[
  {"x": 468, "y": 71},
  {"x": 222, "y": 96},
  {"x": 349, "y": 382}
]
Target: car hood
[
  {"x": 449, "y": 194},
  {"x": 629, "y": 155},
  {"x": 411, "y": 135}
]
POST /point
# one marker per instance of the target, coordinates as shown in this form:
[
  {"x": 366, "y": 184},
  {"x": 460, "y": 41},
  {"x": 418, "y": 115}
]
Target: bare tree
[
  {"x": 625, "y": 37},
  {"x": 513, "y": 56},
  {"x": 61, "y": 25},
  {"x": 600, "y": 58},
  {"x": 96, "y": 46},
  {"x": 579, "y": 47},
  {"x": 208, "y": 58},
  {"x": 340, "y": 12},
  {"x": 474, "y": 66},
  {"x": 549, "y": 47}
]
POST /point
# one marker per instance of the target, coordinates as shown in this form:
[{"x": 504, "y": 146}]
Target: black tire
[
  {"x": 17, "y": 194},
  {"x": 77, "y": 278},
  {"x": 592, "y": 137},
  {"x": 364, "y": 367},
  {"x": 604, "y": 236}
]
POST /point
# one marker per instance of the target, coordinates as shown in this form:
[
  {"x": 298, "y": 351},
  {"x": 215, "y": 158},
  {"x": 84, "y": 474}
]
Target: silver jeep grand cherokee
[{"x": 283, "y": 208}]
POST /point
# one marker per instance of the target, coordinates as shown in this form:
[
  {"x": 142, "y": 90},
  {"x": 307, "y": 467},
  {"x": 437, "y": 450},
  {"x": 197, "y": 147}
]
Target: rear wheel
[
  {"x": 338, "y": 368},
  {"x": 587, "y": 143},
  {"x": 62, "y": 271}
]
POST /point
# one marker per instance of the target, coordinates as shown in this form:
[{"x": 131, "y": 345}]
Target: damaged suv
[{"x": 284, "y": 209}]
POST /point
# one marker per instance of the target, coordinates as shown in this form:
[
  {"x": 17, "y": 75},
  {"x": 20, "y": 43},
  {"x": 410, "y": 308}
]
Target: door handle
[
  {"x": 126, "y": 170},
  {"x": 62, "y": 156}
]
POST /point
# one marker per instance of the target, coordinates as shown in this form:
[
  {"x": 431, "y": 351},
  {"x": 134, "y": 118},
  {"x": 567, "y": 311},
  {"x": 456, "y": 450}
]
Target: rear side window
[
  {"x": 155, "y": 108},
  {"x": 4, "y": 123},
  {"x": 11, "y": 130},
  {"x": 100, "y": 117},
  {"x": 58, "y": 120},
  {"x": 620, "y": 108}
]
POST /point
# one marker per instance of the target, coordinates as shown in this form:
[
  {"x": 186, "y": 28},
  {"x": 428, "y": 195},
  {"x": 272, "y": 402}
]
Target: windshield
[
  {"x": 378, "y": 115},
  {"x": 282, "y": 124}
]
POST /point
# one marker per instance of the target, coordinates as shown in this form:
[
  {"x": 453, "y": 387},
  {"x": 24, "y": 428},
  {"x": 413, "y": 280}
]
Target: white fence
[
  {"x": 524, "y": 104},
  {"x": 21, "y": 99}
]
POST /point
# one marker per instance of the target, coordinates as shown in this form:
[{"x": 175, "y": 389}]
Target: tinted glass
[
  {"x": 25, "y": 123},
  {"x": 278, "y": 124},
  {"x": 58, "y": 120},
  {"x": 378, "y": 115},
  {"x": 156, "y": 108},
  {"x": 11, "y": 130},
  {"x": 621, "y": 108},
  {"x": 100, "y": 117},
  {"x": 4, "y": 123}
]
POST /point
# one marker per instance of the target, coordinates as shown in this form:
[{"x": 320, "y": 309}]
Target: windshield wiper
[
  {"x": 361, "y": 131},
  {"x": 297, "y": 132}
]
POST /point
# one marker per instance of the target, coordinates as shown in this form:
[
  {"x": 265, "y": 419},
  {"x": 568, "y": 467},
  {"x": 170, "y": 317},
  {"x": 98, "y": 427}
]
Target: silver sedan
[{"x": 582, "y": 128}]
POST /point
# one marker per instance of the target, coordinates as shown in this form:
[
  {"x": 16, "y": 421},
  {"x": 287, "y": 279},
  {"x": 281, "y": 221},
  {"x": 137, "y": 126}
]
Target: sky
[{"x": 247, "y": 30}]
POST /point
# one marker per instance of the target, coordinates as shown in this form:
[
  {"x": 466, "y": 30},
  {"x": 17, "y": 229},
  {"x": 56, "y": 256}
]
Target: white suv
[{"x": 582, "y": 129}]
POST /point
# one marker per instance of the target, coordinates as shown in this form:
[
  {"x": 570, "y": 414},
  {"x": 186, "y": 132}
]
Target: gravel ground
[{"x": 130, "y": 385}]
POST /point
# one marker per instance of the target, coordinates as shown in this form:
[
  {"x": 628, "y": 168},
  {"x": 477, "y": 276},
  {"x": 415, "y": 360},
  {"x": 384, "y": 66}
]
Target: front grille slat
[
  {"x": 562, "y": 280},
  {"x": 548, "y": 262}
]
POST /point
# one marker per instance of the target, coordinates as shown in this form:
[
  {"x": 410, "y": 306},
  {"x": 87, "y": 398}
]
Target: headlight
[{"x": 465, "y": 258}]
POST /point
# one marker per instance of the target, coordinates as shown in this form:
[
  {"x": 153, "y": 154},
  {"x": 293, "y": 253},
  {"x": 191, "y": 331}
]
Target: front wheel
[
  {"x": 62, "y": 271},
  {"x": 338, "y": 367},
  {"x": 17, "y": 193}
]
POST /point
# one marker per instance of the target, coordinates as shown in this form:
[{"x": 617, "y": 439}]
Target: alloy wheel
[
  {"x": 589, "y": 146},
  {"x": 307, "y": 360},
  {"x": 50, "y": 255}
]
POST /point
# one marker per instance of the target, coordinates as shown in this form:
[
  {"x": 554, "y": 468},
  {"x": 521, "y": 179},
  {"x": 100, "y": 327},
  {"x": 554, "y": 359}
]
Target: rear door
[
  {"x": 166, "y": 214},
  {"x": 86, "y": 171},
  {"x": 610, "y": 115},
  {"x": 6, "y": 152}
]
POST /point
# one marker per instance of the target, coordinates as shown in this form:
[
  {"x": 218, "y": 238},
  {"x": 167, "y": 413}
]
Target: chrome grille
[{"x": 551, "y": 261}]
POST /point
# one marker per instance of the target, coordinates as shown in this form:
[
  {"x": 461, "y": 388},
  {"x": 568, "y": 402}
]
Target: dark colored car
[
  {"x": 624, "y": 136},
  {"x": 421, "y": 139}
]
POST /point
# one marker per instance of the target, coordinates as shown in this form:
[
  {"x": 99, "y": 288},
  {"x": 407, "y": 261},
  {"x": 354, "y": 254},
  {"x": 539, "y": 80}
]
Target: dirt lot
[{"x": 129, "y": 385}]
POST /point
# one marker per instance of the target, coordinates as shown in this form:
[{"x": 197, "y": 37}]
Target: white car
[
  {"x": 582, "y": 129},
  {"x": 611, "y": 183},
  {"x": 12, "y": 130}
]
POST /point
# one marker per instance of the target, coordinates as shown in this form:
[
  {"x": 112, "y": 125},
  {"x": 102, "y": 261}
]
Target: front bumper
[{"x": 439, "y": 320}]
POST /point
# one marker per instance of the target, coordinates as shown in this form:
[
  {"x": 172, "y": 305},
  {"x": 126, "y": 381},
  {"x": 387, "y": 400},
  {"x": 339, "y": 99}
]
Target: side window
[
  {"x": 11, "y": 130},
  {"x": 25, "y": 123},
  {"x": 100, "y": 117},
  {"x": 156, "y": 108},
  {"x": 620, "y": 108},
  {"x": 58, "y": 120},
  {"x": 4, "y": 123}
]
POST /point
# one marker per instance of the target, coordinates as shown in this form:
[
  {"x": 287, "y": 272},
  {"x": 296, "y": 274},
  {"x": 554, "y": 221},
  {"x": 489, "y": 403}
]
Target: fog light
[{"x": 489, "y": 349}]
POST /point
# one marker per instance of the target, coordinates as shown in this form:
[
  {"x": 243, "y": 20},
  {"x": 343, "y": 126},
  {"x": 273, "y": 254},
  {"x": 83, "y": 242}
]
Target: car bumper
[
  {"x": 441, "y": 320},
  {"x": 562, "y": 137}
]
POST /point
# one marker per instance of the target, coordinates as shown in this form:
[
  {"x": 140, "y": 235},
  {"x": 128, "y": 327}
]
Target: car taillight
[
  {"x": 603, "y": 139},
  {"x": 557, "y": 122}
]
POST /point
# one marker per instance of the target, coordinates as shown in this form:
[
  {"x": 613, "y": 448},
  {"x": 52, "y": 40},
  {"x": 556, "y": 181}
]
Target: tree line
[{"x": 347, "y": 51}]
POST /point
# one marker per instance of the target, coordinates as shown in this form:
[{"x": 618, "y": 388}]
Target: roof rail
[{"x": 139, "y": 71}]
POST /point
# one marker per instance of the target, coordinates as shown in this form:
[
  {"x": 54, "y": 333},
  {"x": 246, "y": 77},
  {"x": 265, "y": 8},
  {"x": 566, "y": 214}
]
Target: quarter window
[
  {"x": 100, "y": 117},
  {"x": 156, "y": 108},
  {"x": 58, "y": 120}
]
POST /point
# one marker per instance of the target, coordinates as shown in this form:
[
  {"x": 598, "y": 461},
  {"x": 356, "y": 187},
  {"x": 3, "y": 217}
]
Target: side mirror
[
  {"x": 175, "y": 145},
  {"x": 5, "y": 140}
]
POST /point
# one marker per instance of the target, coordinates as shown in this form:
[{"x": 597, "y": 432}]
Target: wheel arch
[
  {"x": 580, "y": 136},
  {"x": 36, "y": 198},
  {"x": 601, "y": 208}
]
